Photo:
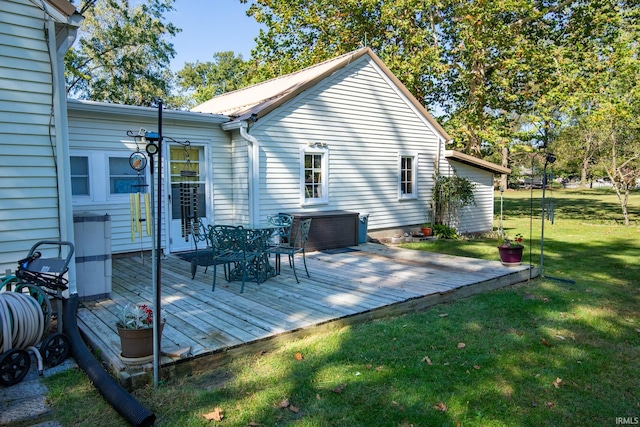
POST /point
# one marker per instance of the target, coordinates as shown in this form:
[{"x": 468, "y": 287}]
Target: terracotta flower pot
[
  {"x": 426, "y": 231},
  {"x": 136, "y": 343},
  {"x": 511, "y": 255}
]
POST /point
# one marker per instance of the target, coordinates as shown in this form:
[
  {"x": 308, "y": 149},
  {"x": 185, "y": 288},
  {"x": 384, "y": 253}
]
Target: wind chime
[
  {"x": 138, "y": 162},
  {"x": 188, "y": 197}
]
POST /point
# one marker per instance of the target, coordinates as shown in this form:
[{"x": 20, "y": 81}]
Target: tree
[
  {"x": 301, "y": 33},
  {"x": 122, "y": 54},
  {"x": 601, "y": 103},
  {"x": 478, "y": 65},
  {"x": 205, "y": 80}
]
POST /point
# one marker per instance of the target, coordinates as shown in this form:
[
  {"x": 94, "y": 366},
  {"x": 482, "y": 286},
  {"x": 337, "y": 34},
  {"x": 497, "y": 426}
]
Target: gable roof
[
  {"x": 476, "y": 162},
  {"x": 63, "y": 6},
  {"x": 262, "y": 98}
]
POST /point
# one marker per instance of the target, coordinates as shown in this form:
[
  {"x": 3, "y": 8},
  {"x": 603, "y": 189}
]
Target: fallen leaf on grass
[
  {"x": 550, "y": 404},
  {"x": 557, "y": 382},
  {"x": 294, "y": 409},
  {"x": 476, "y": 367},
  {"x": 284, "y": 404},
  {"x": 545, "y": 343},
  {"x": 215, "y": 415},
  {"x": 440, "y": 406},
  {"x": 427, "y": 360},
  {"x": 400, "y": 407},
  {"x": 299, "y": 356},
  {"x": 461, "y": 345},
  {"x": 443, "y": 314},
  {"x": 339, "y": 389}
]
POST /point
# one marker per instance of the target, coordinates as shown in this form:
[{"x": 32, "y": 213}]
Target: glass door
[{"x": 188, "y": 194}]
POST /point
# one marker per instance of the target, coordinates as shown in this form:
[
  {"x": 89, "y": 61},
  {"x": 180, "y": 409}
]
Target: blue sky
[{"x": 210, "y": 26}]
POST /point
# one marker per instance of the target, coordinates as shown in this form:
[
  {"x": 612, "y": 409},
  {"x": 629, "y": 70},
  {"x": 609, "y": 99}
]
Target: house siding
[
  {"x": 102, "y": 131},
  {"x": 28, "y": 185},
  {"x": 479, "y": 216},
  {"x": 366, "y": 124}
]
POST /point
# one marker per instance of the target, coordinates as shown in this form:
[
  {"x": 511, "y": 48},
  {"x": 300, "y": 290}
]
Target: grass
[{"x": 548, "y": 352}]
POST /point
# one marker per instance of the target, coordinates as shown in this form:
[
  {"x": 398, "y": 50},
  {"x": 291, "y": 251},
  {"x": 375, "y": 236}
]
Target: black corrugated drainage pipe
[{"x": 126, "y": 405}]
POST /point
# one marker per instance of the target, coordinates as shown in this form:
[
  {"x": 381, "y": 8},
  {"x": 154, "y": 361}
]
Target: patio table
[{"x": 256, "y": 243}]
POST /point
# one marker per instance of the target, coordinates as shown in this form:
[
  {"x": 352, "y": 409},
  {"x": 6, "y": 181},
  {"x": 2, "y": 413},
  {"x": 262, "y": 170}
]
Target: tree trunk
[{"x": 583, "y": 172}]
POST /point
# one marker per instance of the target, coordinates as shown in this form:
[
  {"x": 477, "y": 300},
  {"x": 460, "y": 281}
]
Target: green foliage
[
  {"x": 444, "y": 231},
  {"x": 205, "y": 80},
  {"x": 449, "y": 196},
  {"x": 122, "y": 55}
]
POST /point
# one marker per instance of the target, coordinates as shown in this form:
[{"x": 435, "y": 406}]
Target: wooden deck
[{"x": 205, "y": 328}]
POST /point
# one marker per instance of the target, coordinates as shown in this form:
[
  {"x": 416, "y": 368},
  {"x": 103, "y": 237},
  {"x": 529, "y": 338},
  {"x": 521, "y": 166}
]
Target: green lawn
[{"x": 560, "y": 350}]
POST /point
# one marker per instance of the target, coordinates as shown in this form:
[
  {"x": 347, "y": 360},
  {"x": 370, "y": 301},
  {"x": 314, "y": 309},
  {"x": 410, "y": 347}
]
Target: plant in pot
[
  {"x": 511, "y": 250},
  {"x": 135, "y": 328}
]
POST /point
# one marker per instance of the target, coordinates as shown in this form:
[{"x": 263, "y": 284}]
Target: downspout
[
  {"x": 254, "y": 174},
  {"x": 57, "y": 50}
]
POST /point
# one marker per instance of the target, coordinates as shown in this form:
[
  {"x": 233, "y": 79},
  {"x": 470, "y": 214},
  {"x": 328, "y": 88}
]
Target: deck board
[{"x": 370, "y": 282}]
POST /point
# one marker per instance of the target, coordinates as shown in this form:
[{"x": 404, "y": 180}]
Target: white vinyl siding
[
  {"x": 479, "y": 216},
  {"x": 28, "y": 186},
  {"x": 365, "y": 123},
  {"x": 100, "y": 131}
]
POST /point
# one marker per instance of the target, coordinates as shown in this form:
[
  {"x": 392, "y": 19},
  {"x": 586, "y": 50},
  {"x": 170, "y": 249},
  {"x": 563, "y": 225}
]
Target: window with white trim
[
  {"x": 98, "y": 177},
  {"x": 314, "y": 175},
  {"x": 407, "y": 173}
]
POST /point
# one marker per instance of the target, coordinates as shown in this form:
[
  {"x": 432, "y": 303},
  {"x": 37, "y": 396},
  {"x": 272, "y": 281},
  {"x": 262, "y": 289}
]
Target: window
[
  {"x": 80, "y": 183},
  {"x": 315, "y": 176},
  {"x": 123, "y": 179},
  {"x": 407, "y": 166}
]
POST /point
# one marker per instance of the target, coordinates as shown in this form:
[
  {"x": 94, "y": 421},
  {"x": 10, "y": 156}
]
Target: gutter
[
  {"x": 57, "y": 48},
  {"x": 254, "y": 167}
]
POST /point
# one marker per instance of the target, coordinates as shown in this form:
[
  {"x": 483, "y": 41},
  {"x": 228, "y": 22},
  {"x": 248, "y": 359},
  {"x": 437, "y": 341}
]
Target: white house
[
  {"x": 35, "y": 191},
  {"x": 344, "y": 135},
  {"x": 353, "y": 128}
]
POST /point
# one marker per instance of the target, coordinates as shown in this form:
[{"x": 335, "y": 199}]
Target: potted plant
[
  {"x": 135, "y": 328},
  {"x": 511, "y": 250}
]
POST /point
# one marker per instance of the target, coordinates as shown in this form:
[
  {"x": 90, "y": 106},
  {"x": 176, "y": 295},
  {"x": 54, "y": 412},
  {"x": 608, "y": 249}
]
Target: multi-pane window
[
  {"x": 80, "y": 185},
  {"x": 123, "y": 179},
  {"x": 407, "y": 176},
  {"x": 187, "y": 179},
  {"x": 314, "y": 176}
]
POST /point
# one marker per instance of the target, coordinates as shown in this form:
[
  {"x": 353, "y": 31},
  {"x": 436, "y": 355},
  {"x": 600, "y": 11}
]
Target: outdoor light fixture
[{"x": 151, "y": 139}]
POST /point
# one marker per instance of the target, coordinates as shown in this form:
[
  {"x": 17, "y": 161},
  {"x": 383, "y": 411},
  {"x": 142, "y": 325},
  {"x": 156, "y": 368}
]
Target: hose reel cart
[{"x": 40, "y": 280}]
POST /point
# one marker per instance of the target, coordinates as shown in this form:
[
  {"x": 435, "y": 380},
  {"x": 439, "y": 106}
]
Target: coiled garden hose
[{"x": 22, "y": 323}]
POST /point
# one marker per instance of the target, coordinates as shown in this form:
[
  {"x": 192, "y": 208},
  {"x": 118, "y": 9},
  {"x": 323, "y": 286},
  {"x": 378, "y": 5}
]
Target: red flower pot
[{"x": 511, "y": 255}]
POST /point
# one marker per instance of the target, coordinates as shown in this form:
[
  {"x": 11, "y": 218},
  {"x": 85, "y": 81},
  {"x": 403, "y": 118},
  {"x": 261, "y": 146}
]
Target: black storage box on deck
[{"x": 329, "y": 229}]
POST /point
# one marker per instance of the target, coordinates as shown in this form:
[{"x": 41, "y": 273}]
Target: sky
[{"x": 210, "y": 26}]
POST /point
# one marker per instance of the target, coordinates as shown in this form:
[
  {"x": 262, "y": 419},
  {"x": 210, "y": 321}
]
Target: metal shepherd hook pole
[{"x": 157, "y": 307}]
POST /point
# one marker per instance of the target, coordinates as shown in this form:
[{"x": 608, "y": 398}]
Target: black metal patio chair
[
  {"x": 282, "y": 229},
  {"x": 206, "y": 249},
  {"x": 234, "y": 247},
  {"x": 296, "y": 245}
]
